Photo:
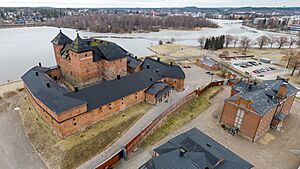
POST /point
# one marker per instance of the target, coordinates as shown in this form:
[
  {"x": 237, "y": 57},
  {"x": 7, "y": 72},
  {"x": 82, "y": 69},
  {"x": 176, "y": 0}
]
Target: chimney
[
  {"x": 181, "y": 152},
  {"x": 282, "y": 90},
  {"x": 48, "y": 84},
  {"x": 135, "y": 57},
  {"x": 75, "y": 89},
  {"x": 37, "y": 73},
  {"x": 118, "y": 77},
  {"x": 171, "y": 63},
  {"x": 250, "y": 86},
  {"x": 158, "y": 59},
  {"x": 156, "y": 70},
  {"x": 148, "y": 66},
  {"x": 151, "y": 78},
  {"x": 40, "y": 64}
]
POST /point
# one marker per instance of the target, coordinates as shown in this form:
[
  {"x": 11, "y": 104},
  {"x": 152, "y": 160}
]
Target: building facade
[
  {"x": 102, "y": 86},
  {"x": 254, "y": 108}
]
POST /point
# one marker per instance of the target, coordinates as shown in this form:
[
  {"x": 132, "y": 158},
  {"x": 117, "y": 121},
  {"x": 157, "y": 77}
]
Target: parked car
[
  {"x": 261, "y": 75},
  {"x": 273, "y": 68}
]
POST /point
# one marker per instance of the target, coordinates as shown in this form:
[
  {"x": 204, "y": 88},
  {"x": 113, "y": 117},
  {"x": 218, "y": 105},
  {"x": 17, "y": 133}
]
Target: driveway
[{"x": 16, "y": 151}]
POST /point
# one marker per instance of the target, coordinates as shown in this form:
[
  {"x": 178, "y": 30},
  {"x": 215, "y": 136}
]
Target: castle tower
[{"x": 59, "y": 42}]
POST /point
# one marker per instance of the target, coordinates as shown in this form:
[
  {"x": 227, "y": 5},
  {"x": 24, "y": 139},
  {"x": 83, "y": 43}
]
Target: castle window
[
  {"x": 174, "y": 81},
  {"x": 109, "y": 104},
  {"x": 122, "y": 98},
  {"x": 135, "y": 93},
  {"x": 109, "y": 108},
  {"x": 85, "y": 54},
  {"x": 100, "y": 108},
  {"x": 122, "y": 102},
  {"x": 136, "y": 97},
  {"x": 74, "y": 124},
  {"x": 73, "y": 119}
]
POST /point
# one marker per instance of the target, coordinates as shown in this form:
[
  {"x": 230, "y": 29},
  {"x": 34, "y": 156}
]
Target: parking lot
[{"x": 256, "y": 68}]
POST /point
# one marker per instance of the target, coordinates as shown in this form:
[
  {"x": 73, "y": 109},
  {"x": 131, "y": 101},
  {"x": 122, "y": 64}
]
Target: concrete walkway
[
  {"x": 196, "y": 77},
  {"x": 143, "y": 156},
  {"x": 16, "y": 151}
]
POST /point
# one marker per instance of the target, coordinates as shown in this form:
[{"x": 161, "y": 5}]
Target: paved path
[
  {"x": 194, "y": 80},
  {"x": 16, "y": 151},
  {"x": 143, "y": 156}
]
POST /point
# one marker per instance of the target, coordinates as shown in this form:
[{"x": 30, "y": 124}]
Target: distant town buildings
[
  {"x": 91, "y": 82},
  {"x": 254, "y": 108},
  {"x": 194, "y": 150}
]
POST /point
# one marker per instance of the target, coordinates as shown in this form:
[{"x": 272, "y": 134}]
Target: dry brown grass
[
  {"x": 9, "y": 94},
  {"x": 181, "y": 116},
  {"x": 71, "y": 152}
]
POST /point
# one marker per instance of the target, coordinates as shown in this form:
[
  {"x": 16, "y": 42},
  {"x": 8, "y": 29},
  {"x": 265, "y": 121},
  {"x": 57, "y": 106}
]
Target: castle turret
[{"x": 59, "y": 42}]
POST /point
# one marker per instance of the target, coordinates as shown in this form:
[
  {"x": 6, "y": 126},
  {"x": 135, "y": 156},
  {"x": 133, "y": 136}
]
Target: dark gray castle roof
[
  {"x": 105, "y": 50},
  {"x": 133, "y": 62},
  {"x": 59, "y": 99},
  {"x": 61, "y": 39},
  {"x": 199, "y": 152},
  {"x": 158, "y": 89},
  {"x": 166, "y": 70},
  {"x": 54, "y": 96},
  {"x": 110, "y": 91},
  {"x": 263, "y": 95}
]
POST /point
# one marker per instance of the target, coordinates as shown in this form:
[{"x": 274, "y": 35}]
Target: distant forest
[{"x": 124, "y": 23}]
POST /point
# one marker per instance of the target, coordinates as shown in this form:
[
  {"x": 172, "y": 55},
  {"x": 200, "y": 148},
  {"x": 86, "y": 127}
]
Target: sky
[{"x": 147, "y": 3}]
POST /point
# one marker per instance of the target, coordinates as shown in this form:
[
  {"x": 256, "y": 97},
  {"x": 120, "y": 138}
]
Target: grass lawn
[
  {"x": 71, "y": 152},
  {"x": 181, "y": 116}
]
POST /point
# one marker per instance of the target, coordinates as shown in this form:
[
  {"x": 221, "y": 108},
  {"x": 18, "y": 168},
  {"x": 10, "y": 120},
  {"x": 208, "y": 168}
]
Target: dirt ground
[{"x": 275, "y": 150}]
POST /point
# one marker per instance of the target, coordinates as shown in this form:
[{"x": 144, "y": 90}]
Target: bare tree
[
  {"x": 294, "y": 62},
  {"x": 263, "y": 41},
  {"x": 245, "y": 42},
  {"x": 287, "y": 57},
  {"x": 235, "y": 40},
  {"x": 201, "y": 41},
  {"x": 272, "y": 41},
  {"x": 228, "y": 40},
  {"x": 292, "y": 42},
  {"x": 281, "y": 41}
]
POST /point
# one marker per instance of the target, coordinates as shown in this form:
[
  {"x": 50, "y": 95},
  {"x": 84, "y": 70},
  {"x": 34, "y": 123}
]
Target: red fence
[{"x": 157, "y": 122}]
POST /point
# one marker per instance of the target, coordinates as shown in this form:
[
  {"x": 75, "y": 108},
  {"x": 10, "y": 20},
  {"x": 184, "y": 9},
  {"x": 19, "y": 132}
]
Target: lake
[{"x": 22, "y": 48}]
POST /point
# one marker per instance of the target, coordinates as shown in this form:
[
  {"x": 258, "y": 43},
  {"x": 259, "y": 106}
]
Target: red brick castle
[{"x": 101, "y": 78}]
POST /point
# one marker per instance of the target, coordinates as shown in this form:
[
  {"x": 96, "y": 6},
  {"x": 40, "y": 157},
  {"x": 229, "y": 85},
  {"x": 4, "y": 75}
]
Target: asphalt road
[{"x": 16, "y": 151}]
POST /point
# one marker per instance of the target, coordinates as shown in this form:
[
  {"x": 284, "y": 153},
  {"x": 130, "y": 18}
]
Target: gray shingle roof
[
  {"x": 263, "y": 95},
  {"x": 201, "y": 152},
  {"x": 111, "y": 51},
  {"x": 61, "y": 39},
  {"x": 53, "y": 97},
  {"x": 109, "y": 91},
  {"x": 79, "y": 45},
  {"x": 133, "y": 62},
  {"x": 208, "y": 61},
  {"x": 158, "y": 89},
  {"x": 164, "y": 69}
]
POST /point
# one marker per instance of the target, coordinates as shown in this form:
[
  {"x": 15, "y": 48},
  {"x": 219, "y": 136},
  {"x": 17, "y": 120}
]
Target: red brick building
[
  {"x": 103, "y": 66},
  {"x": 255, "y": 107},
  {"x": 208, "y": 64}
]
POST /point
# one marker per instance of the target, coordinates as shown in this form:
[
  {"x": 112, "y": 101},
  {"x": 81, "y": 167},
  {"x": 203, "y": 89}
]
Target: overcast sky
[{"x": 148, "y": 3}]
